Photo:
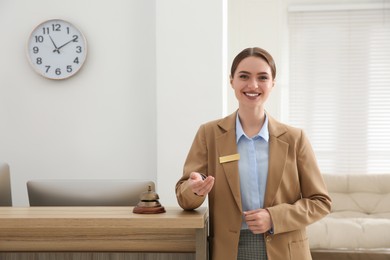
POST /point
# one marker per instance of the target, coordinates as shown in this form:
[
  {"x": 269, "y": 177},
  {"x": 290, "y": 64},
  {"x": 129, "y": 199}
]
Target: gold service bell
[{"x": 149, "y": 203}]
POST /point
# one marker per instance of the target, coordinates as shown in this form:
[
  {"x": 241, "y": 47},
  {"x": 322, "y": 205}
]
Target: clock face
[{"x": 56, "y": 49}]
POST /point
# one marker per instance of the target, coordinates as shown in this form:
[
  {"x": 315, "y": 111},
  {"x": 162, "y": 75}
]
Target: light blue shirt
[{"x": 252, "y": 166}]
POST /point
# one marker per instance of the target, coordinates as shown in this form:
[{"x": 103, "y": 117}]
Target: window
[{"x": 339, "y": 85}]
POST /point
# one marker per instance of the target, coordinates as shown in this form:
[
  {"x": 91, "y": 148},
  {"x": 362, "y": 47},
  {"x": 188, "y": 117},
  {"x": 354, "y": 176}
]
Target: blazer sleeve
[
  {"x": 314, "y": 202},
  {"x": 196, "y": 162}
]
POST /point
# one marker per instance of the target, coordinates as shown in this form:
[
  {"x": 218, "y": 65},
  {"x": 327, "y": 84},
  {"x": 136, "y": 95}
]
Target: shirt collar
[{"x": 263, "y": 133}]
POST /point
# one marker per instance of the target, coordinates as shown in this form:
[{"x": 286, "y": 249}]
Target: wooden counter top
[{"x": 14, "y": 217}]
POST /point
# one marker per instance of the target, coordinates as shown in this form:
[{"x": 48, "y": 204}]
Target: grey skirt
[{"x": 251, "y": 246}]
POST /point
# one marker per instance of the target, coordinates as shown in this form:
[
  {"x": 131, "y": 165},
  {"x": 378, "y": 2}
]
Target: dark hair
[{"x": 254, "y": 52}]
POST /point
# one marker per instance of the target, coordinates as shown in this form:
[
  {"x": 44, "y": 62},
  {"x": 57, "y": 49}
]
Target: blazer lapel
[
  {"x": 226, "y": 145},
  {"x": 278, "y": 150}
]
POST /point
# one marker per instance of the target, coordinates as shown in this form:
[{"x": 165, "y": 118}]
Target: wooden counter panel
[
  {"x": 79, "y": 239},
  {"x": 92, "y": 255}
]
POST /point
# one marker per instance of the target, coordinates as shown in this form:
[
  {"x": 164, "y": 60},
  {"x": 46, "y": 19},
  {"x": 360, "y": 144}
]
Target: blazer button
[{"x": 268, "y": 238}]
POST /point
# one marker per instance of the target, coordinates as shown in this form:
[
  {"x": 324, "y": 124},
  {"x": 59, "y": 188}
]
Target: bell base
[{"x": 148, "y": 210}]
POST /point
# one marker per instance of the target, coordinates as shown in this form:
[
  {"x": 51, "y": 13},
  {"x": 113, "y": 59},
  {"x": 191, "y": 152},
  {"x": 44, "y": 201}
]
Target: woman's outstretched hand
[{"x": 200, "y": 186}]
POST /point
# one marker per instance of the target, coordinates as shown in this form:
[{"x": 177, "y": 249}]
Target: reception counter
[{"x": 176, "y": 234}]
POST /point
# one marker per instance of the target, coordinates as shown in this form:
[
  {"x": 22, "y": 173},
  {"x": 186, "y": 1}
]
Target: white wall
[
  {"x": 99, "y": 124},
  {"x": 189, "y": 81},
  {"x": 152, "y": 76}
]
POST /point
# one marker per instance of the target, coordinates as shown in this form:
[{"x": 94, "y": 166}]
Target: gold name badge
[{"x": 229, "y": 158}]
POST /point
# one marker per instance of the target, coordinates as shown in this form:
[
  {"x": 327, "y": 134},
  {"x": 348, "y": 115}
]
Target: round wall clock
[{"x": 56, "y": 49}]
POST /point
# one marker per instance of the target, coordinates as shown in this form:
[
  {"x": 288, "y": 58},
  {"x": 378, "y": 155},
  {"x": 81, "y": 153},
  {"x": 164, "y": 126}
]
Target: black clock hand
[
  {"x": 55, "y": 46},
  {"x": 66, "y": 43}
]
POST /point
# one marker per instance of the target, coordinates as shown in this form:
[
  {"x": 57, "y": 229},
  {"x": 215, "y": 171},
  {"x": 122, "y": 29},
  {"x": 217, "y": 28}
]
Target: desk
[{"x": 103, "y": 229}]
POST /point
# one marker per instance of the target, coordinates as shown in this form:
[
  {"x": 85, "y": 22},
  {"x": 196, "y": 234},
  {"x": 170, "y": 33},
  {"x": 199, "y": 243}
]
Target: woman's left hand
[{"x": 259, "y": 220}]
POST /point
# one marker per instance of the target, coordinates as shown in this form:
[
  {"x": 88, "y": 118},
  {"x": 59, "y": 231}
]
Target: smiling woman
[{"x": 260, "y": 175}]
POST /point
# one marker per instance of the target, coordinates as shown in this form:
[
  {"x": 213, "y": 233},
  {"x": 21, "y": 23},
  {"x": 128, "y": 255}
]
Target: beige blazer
[{"x": 296, "y": 195}]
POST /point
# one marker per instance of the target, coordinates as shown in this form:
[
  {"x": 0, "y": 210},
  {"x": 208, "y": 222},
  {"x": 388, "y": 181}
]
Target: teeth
[{"x": 252, "y": 94}]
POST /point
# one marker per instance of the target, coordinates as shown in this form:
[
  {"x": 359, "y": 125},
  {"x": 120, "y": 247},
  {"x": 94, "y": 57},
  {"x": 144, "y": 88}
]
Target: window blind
[{"x": 339, "y": 86}]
